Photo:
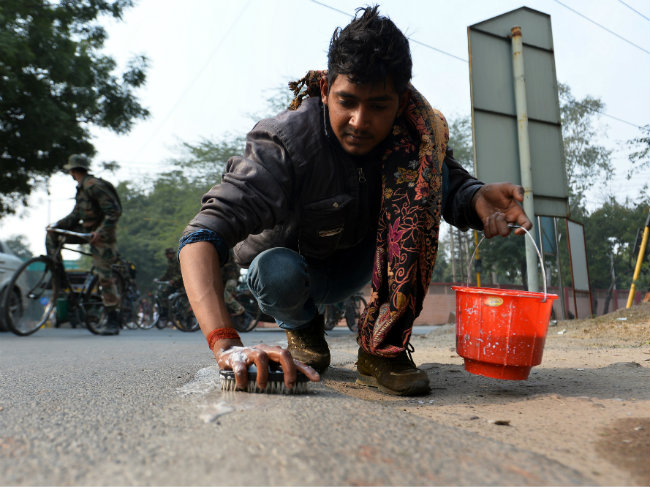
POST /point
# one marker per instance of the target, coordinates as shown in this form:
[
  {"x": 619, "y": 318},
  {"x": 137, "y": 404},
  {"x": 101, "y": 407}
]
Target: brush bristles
[
  {"x": 272, "y": 387},
  {"x": 275, "y": 384}
]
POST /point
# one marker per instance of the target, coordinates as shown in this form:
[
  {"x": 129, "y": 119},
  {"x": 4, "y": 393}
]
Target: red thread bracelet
[{"x": 221, "y": 334}]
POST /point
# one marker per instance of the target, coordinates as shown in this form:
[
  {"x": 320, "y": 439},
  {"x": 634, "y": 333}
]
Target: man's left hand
[
  {"x": 95, "y": 238},
  {"x": 497, "y": 205}
]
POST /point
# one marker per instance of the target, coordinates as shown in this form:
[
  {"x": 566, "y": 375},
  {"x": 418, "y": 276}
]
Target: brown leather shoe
[
  {"x": 308, "y": 344},
  {"x": 396, "y": 375}
]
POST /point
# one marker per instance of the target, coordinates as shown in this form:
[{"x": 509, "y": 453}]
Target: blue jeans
[{"x": 289, "y": 286}]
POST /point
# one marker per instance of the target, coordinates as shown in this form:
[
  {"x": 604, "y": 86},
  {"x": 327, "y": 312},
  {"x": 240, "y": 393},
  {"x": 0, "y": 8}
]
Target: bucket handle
[{"x": 541, "y": 260}]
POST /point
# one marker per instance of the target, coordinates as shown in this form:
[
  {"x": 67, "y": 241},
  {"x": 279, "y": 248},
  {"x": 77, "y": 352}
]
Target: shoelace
[{"x": 409, "y": 352}]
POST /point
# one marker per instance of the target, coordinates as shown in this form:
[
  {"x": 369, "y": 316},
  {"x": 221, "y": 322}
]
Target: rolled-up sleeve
[{"x": 254, "y": 194}]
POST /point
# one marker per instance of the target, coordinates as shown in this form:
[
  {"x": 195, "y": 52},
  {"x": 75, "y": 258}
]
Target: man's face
[
  {"x": 170, "y": 255},
  {"x": 361, "y": 115}
]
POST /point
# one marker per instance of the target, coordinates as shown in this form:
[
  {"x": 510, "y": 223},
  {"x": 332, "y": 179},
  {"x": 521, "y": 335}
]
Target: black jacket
[{"x": 295, "y": 187}]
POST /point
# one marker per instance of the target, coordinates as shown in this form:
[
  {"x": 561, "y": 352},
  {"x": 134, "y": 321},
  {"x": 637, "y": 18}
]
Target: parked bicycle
[
  {"x": 248, "y": 320},
  {"x": 124, "y": 274},
  {"x": 350, "y": 309},
  {"x": 171, "y": 308},
  {"x": 142, "y": 313},
  {"x": 42, "y": 285}
]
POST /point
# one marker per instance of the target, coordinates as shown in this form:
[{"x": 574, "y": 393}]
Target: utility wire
[
  {"x": 198, "y": 75},
  {"x": 466, "y": 61},
  {"x": 602, "y": 27},
  {"x": 633, "y": 9},
  {"x": 631, "y": 124},
  {"x": 437, "y": 50},
  {"x": 409, "y": 38}
]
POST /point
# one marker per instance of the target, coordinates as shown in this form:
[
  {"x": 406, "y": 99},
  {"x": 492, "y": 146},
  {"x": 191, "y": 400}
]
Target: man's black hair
[{"x": 369, "y": 49}]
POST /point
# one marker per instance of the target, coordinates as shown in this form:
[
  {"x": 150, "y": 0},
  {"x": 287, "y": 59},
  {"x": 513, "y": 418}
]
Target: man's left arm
[
  {"x": 458, "y": 190},
  {"x": 469, "y": 203},
  {"x": 112, "y": 211}
]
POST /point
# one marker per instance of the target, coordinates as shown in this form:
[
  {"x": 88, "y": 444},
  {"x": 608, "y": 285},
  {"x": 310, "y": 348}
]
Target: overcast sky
[{"x": 213, "y": 63}]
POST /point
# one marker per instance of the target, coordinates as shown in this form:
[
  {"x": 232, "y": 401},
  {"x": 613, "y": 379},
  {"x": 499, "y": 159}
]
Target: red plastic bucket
[{"x": 500, "y": 333}]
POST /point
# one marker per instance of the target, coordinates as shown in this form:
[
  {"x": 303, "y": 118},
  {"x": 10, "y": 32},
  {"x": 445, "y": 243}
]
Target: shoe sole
[{"x": 370, "y": 381}]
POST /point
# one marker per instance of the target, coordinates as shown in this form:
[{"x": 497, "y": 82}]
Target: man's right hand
[
  {"x": 231, "y": 355},
  {"x": 204, "y": 287}
]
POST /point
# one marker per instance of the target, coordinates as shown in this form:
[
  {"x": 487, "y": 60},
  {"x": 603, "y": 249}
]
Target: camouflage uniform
[
  {"x": 173, "y": 273},
  {"x": 97, "y": 209}
]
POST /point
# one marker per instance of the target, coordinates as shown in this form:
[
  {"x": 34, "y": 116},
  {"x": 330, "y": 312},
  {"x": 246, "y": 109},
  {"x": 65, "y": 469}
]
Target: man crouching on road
[{"x": 345, "y": 188}]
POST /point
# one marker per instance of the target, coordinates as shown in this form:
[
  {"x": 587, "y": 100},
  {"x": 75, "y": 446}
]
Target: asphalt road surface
[{"x": 145, "y": 408}]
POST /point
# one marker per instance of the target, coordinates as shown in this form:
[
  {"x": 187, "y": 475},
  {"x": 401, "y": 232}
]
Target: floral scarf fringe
[{"x": 409, "y": 221}]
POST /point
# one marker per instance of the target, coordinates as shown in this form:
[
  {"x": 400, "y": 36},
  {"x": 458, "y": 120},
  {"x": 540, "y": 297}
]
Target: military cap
[{"x": 77, "y": 161}]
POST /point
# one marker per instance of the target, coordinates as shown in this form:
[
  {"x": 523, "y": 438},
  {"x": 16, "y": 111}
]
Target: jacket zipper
[{"x": 362, "y": 176}]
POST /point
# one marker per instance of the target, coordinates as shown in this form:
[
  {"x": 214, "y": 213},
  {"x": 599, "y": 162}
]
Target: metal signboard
[
  {"x": 494, "y": 114},
  {"x": 578, "y": 259}
]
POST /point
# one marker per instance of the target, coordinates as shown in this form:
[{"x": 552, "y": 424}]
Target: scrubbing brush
[{"x": 275, "y": 384}]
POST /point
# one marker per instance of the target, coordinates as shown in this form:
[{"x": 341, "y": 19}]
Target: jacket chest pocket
[{"x": 322, "y": 224}]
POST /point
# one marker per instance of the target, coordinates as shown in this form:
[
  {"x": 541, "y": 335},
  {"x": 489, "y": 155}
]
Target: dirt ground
[{"x": 587, "y": 405}]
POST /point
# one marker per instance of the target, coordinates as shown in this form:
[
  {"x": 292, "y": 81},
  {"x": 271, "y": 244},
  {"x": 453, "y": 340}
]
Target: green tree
[
  {"x": 154, "y": 217},
  {"x": 611, "y": 232},
  {"x": 587, "y": 162},
  {"x": 19, "y": 246},
  {"x": 55, "y": 86},
  {"x": 204, "y": 162},
  {"x": 460, "y": 141},
  {"x": 640, "y": 155}
]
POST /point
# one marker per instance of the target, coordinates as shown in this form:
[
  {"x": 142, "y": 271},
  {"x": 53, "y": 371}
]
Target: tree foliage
[
  {"x": 611, "y": 232},
  {"x": 55, "y": 85},
  {"x": 640, "y": 155},
  {"x": 460, "y": 141},
  {"x": 19, "y": 246},
  {"x": 587, "y": 162},
  {"x": 154, "y": 218}
]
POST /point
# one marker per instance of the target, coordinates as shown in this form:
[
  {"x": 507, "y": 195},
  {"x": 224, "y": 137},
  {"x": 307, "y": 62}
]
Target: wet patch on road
[{"x": 212, "y": 403}]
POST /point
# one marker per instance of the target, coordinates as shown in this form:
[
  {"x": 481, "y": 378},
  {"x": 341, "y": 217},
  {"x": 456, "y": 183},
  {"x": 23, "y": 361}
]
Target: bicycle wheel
[
  {"x": 251, "y": 316},
  {"x": 353, "y": 309},
  {"x": 159, "y": 320},
  {"x": 125, "y": 305},
  {"x": 331, "y": 316},
  {"x": 93, "y": 313},
  {"x": 143, "y": 316},
  {"x": 89, "y": 309},
  {"x": 182, "y": 315},
  {"x": 31, "y": 296},
  {"x": 244, "y": 322}
]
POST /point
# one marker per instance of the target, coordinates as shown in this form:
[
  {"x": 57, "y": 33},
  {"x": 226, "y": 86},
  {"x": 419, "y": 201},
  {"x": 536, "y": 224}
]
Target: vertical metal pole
[
  {"x": 559, "y": 269},
  {"x": 612, "y": 271},
  {"x": 478, "y": 273},
  {"x": 524, "y": 150},
  {"x": 639, "y": 261},
  {"x": 453, "y": 253}
]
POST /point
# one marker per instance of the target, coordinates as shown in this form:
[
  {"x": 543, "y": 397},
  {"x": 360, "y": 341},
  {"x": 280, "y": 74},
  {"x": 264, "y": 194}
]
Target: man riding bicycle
[
  {"x": 172, "y": 274},
  {"x": 96, "y": 211}
]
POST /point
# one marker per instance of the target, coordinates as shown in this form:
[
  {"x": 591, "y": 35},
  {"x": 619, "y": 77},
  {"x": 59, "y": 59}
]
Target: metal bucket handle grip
[{"x": 541, "y": 261}]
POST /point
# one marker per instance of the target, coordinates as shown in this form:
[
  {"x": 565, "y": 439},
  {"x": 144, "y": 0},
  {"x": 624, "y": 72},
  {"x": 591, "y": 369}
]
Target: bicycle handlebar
[{"x": 70, "y": 233}]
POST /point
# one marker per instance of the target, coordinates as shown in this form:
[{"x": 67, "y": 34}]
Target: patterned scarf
[{"x": 409, "y": 220}]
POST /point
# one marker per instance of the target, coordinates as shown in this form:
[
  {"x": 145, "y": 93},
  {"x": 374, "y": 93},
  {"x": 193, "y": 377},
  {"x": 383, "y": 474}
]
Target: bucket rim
[{"x": 515, "y": 293}]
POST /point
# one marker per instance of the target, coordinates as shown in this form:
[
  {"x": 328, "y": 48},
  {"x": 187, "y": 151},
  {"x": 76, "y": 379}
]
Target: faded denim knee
[{"x": 279, "y": 280}]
